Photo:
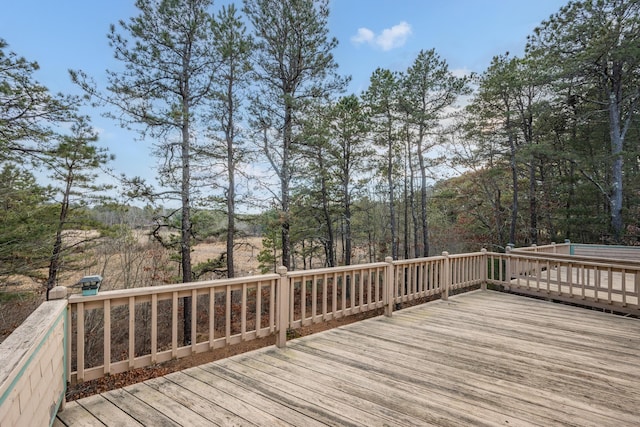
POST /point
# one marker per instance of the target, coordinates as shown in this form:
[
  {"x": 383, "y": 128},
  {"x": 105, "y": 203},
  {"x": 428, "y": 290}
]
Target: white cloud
[
  {"x": 388, "y": 39},
  {"x": 393, "y": 37},
  {"x": 364, "y": 35}
]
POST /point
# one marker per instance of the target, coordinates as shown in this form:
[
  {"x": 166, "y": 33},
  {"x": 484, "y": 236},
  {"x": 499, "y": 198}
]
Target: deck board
[{"x": 480, "y": 358}]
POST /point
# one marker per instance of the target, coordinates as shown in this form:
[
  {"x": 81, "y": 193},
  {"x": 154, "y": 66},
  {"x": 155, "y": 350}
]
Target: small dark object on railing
[{"x": 90, "y": 285}]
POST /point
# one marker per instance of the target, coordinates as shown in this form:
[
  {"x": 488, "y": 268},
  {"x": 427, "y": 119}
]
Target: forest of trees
[{"x": 539, "y": 148}]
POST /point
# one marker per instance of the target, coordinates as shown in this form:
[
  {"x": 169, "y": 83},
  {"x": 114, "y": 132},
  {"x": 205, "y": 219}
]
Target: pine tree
[
  {"x": 294, "y": 64},
  {"x": 169, "y": 69},
  {"x": 73, "y": 163},
  {"x": 594, "y": 46}
]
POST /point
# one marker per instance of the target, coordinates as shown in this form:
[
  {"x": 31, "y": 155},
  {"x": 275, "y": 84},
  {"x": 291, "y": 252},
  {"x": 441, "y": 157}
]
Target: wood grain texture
[{"x": 482, "y": 358}]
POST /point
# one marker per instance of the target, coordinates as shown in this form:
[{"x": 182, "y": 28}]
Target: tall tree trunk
[
  {"x": 54, "y": 263},
  {"x": 406, "y": 205},
  {"x": 185, "y": 230},
  {"x": 347, "y": 235},
  {"x": 533, "y": 205},
  {"x": 617, "y": 142},
  {"x": 231, "y": 221},
  {"x": 330, "y": 245},
  {"x": 284, "y": 186},
  {"x": 412, "y": 203},
  {"x": 514, "y": 183},
  {"x": 423, "y": 200},
  {"x": 231, "y": 191},
  {"x": 497, "y": 215},
  {"x": 546, "y": 198},
  {"x": 392, "y": 208}
]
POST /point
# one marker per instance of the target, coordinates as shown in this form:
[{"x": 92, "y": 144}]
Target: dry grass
[{"x": 142, "y": 263}]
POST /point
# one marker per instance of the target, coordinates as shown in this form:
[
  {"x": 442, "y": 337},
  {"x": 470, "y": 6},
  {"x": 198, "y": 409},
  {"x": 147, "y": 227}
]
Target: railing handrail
[
  {"x": 587, "y": 260},
  {"x": 588, "y": 281},
  {"x": 338, "y": 269},
  {"x": 33, "y": 379},
  {"x": 542, "y": 248},
  {"x": 165, "y": 289},
  {"x": 601, "y": 246},
  {"x": 415, "y": 260}
]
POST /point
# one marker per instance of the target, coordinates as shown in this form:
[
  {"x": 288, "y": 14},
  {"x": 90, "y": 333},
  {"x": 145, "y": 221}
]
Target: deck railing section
[
  {"x": 617, "y": 252},
  {"x": 419, "y": 278},
  {"x": 553, "y": 248},
  {"x": 468, "y": 270},
  {"x": 331, "y": 293},
  {"x": 582, "y": 280},
  {"x": 115, "y": 331}
]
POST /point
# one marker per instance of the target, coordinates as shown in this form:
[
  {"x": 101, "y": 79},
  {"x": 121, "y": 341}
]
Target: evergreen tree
[
  {"x": 349, "y": 150},
  {"x": 381, "y": 100},
  {"x": 72, "y": 163},
  {"x": 26, "y": 225},
  {"x": 28, "y": 112},
  {"x": 169, "y": 68},
  {"x": 294, "y": 64},
  {"x": 494, "y": 109},
  {"x": 594, "y": 46},
  {"x": 428, "y": 90},
  {"x": 233, "y": 47}
]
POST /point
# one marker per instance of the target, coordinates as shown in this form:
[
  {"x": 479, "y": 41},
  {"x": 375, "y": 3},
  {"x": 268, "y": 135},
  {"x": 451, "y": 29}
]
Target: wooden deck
[{"x": 481, "y": 358}]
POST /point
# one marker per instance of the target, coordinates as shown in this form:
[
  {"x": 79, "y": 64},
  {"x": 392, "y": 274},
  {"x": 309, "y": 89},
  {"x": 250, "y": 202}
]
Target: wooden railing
[
  {"x": 607, "y": 284},
  {"x": 116, "y": 331},
  {"x": 325, "y": 294},
  {"x": 627, "y": 253},
  {"x": 563, "y": 248},
  {"x": 119, "y": 330}
]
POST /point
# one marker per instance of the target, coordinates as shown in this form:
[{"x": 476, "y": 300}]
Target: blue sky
[{"x": 71, "y": 34}]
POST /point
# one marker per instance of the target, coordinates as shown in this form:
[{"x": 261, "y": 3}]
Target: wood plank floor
[{"x": 481, "y": 358}]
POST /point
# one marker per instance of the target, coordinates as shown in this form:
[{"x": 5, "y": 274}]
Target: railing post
[
  {"x": 446, "y": 276},
  {"x": 507, "y": 266},
  {"x": 389, "y": 286},
  {"x": 567, "y": 242},
  {"x": 485, "y": 268},
  {"x": 283, "y": 307},
  {"x": 60, "y": 292}
]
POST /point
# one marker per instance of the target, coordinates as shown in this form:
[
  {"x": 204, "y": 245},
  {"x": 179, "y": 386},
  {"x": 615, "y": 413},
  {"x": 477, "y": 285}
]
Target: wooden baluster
[
  {"x": 132, "y": 331},
  {"x": 174, "y": 325},
  {"x": 80, "y": 342},
  {"x": 154, "y": 328},
  {"x": 314, "y": 298},
  {"x": 258, "y": 308},
  {"x": 212, "y": 317},
  {"x": 228, "y": 313},
  {"x": 106, "y": 308},
  {"x": 194, "y": 320},
  {"x": 272, "y": 307},
  {"x": 243, "y": 316}
]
